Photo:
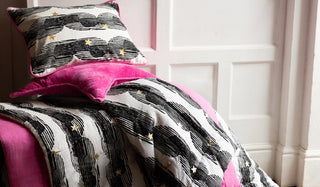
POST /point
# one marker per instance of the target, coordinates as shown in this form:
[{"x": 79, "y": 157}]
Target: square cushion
[{"x": 59, "y": 36}]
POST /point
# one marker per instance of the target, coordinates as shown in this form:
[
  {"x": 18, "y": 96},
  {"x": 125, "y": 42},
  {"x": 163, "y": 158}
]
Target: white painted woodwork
[
  {"x": 205, "y": 85},
  {"x": 309, "y": 153},
  {"x": 248, "y": 60},
  {"x": 215, "y": 22},
  {"x": 293, "y": 89}
]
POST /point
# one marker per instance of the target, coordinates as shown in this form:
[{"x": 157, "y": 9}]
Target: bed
[{"x": 101, "y": 121}]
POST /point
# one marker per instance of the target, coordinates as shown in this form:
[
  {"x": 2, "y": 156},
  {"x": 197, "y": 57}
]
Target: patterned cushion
[{"x": 58, "y": 36}]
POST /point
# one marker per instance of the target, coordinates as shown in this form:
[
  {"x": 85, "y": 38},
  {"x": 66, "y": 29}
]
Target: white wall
[
  {"x": 247, "y": 58},
  {"x": 309, "y": 153}
]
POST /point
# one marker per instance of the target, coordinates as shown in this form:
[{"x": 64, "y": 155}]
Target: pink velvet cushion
[{"x": 93, "y": 80}]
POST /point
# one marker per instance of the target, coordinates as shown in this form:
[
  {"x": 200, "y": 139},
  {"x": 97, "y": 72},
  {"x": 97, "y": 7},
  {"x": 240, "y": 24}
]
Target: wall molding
[
  {"x": 309, "y": 157},
  {"x": 309, "y": 154},
  {"x": 309, "y": 165},
  {"x": 259, "y": 147},
  {"x": 294, "y": 54},
  {"x": 223, "y": 47},
  {"x": 287, "y": 150},
  {"x": 286, "y": 160}
]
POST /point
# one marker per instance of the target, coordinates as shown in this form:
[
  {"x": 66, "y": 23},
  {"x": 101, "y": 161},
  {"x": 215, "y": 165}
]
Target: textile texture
[
  {"x": 145, "y": 133},
  {"x": 59, "y": 36}
]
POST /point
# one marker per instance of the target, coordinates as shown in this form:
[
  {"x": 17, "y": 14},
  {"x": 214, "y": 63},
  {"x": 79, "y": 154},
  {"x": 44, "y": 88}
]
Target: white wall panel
[
  {"x": 142, "y": 25},
  {"x": 253, "y": 129},
  {"x": 263, "y": 156},
  {"x": 215, "y": 22},
  {"x": 251, "y": 83},
  {"x": 148, "y": 68},
  {"x": 202, "y": 78}
]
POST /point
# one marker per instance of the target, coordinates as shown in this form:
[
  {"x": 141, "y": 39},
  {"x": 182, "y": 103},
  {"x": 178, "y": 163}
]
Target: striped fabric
[
  {"x": 57, "y": 36},
  {"x": 146, "y": 133}
]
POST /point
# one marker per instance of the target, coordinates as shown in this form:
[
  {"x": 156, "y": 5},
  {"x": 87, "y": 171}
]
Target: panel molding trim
[
  {"x": 259, "y": 147},
  {"x": 309, "y": 164}
]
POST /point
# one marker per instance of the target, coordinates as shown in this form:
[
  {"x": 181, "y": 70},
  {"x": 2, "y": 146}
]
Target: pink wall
[{"x": 13, "y": 63}]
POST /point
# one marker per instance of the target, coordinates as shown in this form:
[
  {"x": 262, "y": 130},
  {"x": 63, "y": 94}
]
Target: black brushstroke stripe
[
  {"x": 129, "y": 86},
  {"x": 133, "y": 121},
  {"x": 177, "y": 90},
  {"x": 114, "y": 147},
  {"x": 46, "y": 26},
  {"x": 140, "y": 124},
  {"x": 132, "y": 88},
  {"x": 248, "y": 168},
  {"x": 146, "y": 127},
  {"x": 176, "y": 106},
  {"x": 166, "y": 140},
  {"x": 119, "y": 42},
  {"x": 41, "y": 130},
  {"x": 207, "y": 180},
  {"x": 170, "y": 143},
  {"x": 56, "y": 54},
  {"x": 37, "y": 124},
  {"x": 247, "y": 172},
  {"x": 180, "y": 114},
  {"x": 263, "y": 179},
  {"x": 19, "y": 15},
  {"x": 57, "y": 170},
  {"x": 137, "y": 125},
  {"x": 81, "y": 147},
  {"x": 156, "y": 174},
  {"x": 173, "y": 147}
]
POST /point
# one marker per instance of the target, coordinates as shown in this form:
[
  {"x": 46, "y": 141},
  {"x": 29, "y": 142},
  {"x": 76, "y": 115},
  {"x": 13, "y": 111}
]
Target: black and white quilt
[{"x": 146, "y": 133}]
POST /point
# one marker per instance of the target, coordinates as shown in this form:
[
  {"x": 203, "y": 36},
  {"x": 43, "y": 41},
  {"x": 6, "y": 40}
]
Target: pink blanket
[{"x": 25, "y": 159}]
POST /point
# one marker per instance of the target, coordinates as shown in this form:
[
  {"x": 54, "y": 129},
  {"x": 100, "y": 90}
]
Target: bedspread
[{"x": 146, "y": 133}]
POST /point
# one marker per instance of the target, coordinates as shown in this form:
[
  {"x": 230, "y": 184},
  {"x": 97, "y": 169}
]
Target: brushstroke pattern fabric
[
  {"x": 146, "y": 133},
  {"x": 58, "y": 36}
]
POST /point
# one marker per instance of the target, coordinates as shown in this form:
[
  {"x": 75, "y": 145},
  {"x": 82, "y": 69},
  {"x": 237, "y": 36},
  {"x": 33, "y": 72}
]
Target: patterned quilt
[{"x": 146, "y": 133}]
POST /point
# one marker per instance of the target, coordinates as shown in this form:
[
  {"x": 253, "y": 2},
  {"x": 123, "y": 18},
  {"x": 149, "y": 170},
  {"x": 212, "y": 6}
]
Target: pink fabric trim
[
  {"x": 230, "y": 178},
  {"x": 24, "y": 157},
  {"x": 109, "y": 2}
]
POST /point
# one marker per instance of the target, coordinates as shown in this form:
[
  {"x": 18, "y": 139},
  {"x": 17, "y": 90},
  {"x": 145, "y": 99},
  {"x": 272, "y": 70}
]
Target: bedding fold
[{"x": 145, "y": 133}]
